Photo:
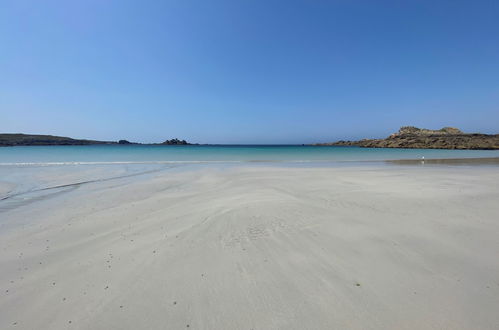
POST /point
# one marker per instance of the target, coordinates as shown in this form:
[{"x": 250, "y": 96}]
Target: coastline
[
  {"x": 411, "y": 137},
  {"x": 402, "y": 161}
]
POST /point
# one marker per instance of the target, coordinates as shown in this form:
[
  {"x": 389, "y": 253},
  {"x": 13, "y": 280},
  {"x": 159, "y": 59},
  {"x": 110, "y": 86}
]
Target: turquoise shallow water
[{"x": 165, "y": 154}]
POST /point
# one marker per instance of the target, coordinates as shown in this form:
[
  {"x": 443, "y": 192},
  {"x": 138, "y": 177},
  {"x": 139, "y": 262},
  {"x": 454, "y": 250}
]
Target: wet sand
[
  {"x": 253, "y": 247},
  {"x": 494, "y": 161}
]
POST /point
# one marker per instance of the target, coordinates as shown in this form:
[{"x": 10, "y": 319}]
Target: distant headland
[
  {"x": 407, "y": 137},
  {"x": 10, "y": 140},
  {"x": 422, "y": 138}
]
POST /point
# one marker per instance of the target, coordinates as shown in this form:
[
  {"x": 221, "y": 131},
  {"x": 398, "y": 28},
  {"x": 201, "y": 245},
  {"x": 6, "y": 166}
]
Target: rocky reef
[
  {"x": 421, "y": 138},
  {"x": 176, "y": 142}
]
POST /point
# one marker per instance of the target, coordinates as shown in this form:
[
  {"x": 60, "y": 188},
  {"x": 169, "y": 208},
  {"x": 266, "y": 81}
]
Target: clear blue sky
[{"x": 247, "y": 71}]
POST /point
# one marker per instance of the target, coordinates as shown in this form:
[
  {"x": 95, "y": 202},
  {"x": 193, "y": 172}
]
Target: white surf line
[{"x": 122, "y": 163}]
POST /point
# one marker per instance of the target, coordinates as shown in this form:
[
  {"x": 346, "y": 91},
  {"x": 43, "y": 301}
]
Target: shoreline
[
  {"x": 463, "y": 160},
  {"x": 19, "y": 181}
]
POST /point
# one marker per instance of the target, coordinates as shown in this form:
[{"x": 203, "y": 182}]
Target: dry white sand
[{"x": 257, "y": 248}]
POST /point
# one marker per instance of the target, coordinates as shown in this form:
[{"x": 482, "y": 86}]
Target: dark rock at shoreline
[
  {"x": 43, "y": 140},
  {"x": 417, "y": 138},
  {"x": 124, "y": 142}
]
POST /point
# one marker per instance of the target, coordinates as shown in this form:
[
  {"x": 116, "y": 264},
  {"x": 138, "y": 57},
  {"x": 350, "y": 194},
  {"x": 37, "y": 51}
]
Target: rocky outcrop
[
  {"x": 411, "y": 130},
  {"x": 176, "y": 142},
  {"x": 417, "y": 138},
  {"x": 43, "y": 140}
]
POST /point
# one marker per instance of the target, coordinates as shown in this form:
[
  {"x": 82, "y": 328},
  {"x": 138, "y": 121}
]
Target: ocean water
[
  {"x": 109, "y": 154},
  {"x": 34, "y": 173}
]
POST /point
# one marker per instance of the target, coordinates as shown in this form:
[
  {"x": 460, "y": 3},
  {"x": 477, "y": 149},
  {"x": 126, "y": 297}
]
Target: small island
[
  {"x": 176, "y": 141},
  {"x": 420, "y": 138}
]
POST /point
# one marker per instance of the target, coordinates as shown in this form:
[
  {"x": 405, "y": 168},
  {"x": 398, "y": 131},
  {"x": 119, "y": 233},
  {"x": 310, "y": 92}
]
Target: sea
[
  {"x": 158, "y": 154},
  {"x": 31, "y": 173}
]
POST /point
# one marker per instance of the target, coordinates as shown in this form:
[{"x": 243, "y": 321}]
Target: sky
[{"x": 230, "y": 71}]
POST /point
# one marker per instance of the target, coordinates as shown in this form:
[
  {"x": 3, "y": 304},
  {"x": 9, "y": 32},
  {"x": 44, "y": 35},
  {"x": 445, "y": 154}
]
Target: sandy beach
[{"x": 250, "y": 247}]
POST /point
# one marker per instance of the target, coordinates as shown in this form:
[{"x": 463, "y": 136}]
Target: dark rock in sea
[
  {"x": 176, "y": 142},
  {"x": 421, "y": 138}
]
